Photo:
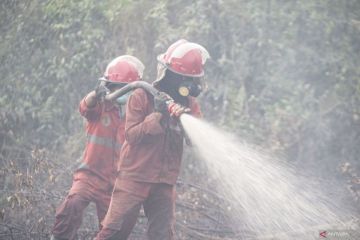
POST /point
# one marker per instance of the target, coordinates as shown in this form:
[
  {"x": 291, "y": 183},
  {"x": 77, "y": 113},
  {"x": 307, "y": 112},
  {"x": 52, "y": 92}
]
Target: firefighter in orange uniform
[
  {"x": 151, "y": 156},
  {"x": 94, "y": 179}
]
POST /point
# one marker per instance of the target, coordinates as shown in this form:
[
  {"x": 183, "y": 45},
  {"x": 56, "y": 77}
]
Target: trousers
[
  {"x": 86, "y": 188},
  {"x": 158, "y": 201}
]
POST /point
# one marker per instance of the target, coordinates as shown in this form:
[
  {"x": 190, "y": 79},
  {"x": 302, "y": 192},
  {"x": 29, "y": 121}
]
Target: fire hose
[
  {"x": 131, "y": 86},
  {"x": 139, "y": 84}
]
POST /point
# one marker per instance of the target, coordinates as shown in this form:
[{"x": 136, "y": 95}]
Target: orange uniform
[
  {"x": 105, "y": 135},
  {"x": 152, "y": 151},
  {"x": 148, "y": 169},
  {"x": 94, "y": 179}
]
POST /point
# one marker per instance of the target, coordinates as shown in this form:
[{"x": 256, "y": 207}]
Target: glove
[
  {"x": 101, "y": 90},
  {"x": 176, "y": 109},
  {"x": 160, "y": 102}
]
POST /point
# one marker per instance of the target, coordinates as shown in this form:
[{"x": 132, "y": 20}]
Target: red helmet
[
  {"x": 123, "y": 69},
  {"x": 185, "y": 58}
]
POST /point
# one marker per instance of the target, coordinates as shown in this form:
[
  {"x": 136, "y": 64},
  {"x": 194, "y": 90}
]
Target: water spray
[{"x": 265, "y": 195}]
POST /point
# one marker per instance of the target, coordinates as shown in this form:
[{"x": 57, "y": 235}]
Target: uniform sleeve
[
  {"x": 91, "y": 114},
  {"x": 139, "y": 125}
]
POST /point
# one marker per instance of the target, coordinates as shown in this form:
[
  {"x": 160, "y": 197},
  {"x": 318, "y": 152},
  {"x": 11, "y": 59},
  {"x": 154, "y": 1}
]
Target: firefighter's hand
[
  {"x": 101, "y": 90},
  {"x": 176, "y": 110},
  {"x": 160, "y": 102}
]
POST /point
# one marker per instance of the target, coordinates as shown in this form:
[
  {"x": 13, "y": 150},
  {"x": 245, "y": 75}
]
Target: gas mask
[
  {"x": 123, "y": 99},
  {"x": 179, "y": 87},
  {"x": 190, "y": 87}
]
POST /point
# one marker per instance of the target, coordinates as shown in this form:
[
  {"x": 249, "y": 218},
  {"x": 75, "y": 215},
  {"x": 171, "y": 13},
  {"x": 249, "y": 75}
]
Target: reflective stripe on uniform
[{"x": 104, "y": 141}]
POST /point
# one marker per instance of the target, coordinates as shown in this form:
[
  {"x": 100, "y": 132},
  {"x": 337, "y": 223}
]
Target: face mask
[{"x": 123, "y": 99}]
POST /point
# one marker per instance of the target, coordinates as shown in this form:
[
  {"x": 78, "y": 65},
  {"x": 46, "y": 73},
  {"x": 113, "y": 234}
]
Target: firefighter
[
  {"x": 94, "y": 179},
  {"x": 151, "y": 156}
]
